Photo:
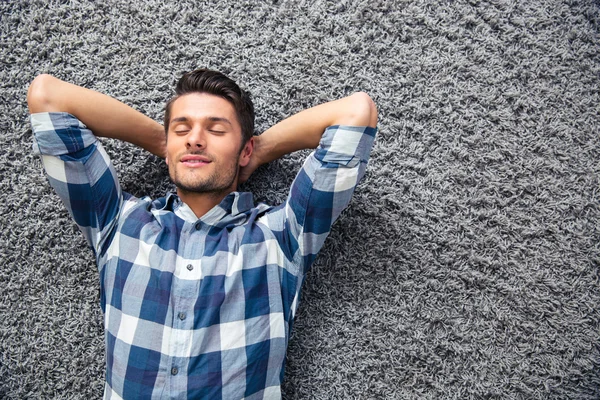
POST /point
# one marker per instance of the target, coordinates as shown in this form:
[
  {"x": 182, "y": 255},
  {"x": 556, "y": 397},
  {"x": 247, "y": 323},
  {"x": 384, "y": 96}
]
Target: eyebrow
[{"x": 211, "y": 119}]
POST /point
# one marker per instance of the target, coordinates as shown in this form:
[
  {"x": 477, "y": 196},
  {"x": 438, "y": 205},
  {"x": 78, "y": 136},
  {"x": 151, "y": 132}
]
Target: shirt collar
[{"x": 227, "y": 211}]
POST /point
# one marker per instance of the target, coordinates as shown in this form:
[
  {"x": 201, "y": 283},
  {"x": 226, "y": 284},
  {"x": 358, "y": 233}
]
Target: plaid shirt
[{"x": 198, "y": 307}]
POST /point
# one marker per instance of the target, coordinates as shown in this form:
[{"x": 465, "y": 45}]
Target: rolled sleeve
[
  {"x": 345, "y": 144},
  {"x": 57, "y": 134}
]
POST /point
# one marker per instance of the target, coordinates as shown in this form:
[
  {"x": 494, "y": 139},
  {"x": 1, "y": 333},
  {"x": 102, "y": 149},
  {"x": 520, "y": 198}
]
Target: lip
[{"x": 194, "y": 160}]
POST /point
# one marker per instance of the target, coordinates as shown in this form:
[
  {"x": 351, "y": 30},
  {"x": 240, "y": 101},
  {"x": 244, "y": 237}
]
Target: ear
[{"x": 246, "y": 153}]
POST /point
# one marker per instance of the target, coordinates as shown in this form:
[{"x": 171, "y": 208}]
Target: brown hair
[{"x": 218, "y": 84}]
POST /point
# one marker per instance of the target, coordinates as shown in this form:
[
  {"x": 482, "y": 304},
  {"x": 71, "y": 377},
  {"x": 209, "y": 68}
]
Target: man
[{"x": 199, "y": 288}]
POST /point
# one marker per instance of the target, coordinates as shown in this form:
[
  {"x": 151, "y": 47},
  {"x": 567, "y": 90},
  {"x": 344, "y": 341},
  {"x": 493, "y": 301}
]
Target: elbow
[
  {"x": 39, "y": 94},
  {"x": 361, "y": 111}
]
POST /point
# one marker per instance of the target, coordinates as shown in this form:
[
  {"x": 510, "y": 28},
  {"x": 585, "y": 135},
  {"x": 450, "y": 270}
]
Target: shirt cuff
[
  {"x": 59, "y": 133},
  {"x": 342, "y": 144}
]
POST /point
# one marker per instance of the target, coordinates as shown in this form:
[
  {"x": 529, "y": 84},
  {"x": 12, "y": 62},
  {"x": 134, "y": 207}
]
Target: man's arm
[
  {"x": 343, "y": 132},
  {"x": 305, "y": 129},
  {"x": 66, "y": 120},
  {"x": 102, "y": 114}
]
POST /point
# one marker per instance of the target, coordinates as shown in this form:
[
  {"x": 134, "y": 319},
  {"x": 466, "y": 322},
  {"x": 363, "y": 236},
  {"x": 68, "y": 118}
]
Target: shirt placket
[{"x": 185, "y": 293}]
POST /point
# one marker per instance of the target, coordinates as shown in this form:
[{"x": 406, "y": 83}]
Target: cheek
[
  {"x": 172, "y": 151},
  {"x": 227, "y": 149}
]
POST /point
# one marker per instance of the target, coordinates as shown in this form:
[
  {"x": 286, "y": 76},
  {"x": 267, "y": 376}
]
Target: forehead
[{"x": 202, "y": 106}]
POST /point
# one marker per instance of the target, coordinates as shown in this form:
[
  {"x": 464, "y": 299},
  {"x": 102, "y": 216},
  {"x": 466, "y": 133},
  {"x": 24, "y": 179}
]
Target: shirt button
[
  {"x": 190, "y": 267},
  {"x": 174, "y": 371},
  {"x": 181, "y": 316},
  {"x": 198, "y": 225}
]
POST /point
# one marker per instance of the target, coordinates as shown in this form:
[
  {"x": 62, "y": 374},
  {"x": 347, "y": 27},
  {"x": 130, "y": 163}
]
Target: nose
[{"x": 196, "y": 139}]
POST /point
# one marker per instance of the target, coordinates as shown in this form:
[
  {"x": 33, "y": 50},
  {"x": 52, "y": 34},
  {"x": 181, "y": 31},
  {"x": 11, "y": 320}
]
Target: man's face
[{"x": 204, "y": 144}]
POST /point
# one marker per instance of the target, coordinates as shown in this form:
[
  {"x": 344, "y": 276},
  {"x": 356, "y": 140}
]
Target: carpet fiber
[{"x": 467, "y": 263}]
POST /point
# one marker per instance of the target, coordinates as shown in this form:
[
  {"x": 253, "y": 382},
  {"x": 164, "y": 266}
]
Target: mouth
[{"x": 194, "y": 160}]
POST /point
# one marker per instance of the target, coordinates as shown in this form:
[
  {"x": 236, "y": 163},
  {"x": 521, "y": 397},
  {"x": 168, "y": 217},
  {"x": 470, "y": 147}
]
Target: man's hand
[{"x": 256, "y": 160}]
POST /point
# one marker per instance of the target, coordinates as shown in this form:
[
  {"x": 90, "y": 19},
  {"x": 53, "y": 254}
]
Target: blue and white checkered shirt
[{"x": 198, "y": 308}]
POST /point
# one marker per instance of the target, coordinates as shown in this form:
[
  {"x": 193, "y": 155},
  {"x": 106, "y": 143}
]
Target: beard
[{"x": 221, "y": 178}]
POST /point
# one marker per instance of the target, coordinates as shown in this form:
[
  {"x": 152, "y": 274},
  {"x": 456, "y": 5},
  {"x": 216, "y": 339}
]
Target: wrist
[{"x": 262, "y": 149}]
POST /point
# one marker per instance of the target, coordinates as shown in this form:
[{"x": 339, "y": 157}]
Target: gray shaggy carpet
[{"x": 466, "y": 266}]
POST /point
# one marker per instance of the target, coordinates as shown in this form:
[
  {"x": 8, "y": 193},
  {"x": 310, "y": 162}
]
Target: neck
[{"x": 201, "y": 203}]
